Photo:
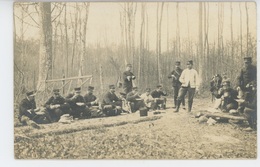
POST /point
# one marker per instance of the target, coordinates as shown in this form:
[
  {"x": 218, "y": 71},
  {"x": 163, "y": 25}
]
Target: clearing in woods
[{"x": 166, "y": 135}]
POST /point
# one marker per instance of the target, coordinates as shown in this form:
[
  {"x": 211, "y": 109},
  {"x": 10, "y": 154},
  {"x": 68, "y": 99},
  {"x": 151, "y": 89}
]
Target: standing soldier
[
  {"x": 190, "y": 83},
  {"x": 128, "y": 78},
  {"x": 176, "y": 84},
  {"x": 246, "y": 77},
  {"x": 56, "y": 106}
]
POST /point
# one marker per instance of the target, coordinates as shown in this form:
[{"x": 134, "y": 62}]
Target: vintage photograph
[{"x": 135, "y": 80}]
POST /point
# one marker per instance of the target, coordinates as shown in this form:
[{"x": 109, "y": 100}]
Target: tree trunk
[
  {"x": 200, "y": 49},
  {"x": 45, "y": 53},
  {"x": 247, "y": 28},
  {"x": 67, "y": 41},
  {"x": 241, "y": 35}
]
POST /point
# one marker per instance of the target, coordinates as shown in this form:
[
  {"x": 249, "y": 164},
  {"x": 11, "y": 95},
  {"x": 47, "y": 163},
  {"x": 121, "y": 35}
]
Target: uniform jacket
[
  {"x": 127, "y": 83},
  {"x": 89, "y": 98},
  {"x": 175, "y": 80},
  {"x": 26, "y": 105},
  {"x": 246, "y": 76},
  {"x": 232, "y": 95},
  {"x": 158, "y": 94},
  {"x": 190, "y": 76},
  {"x": 110, "y": 98},
  {"x": 52, "y": 101},
  {"x": 72, "y": 102}
]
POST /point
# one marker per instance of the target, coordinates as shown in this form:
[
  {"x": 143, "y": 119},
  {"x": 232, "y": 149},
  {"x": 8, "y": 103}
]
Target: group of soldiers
[
  {"x": 130, "y": 100},
  {"x": 89, "y": 106},
  {"x": 242, "y": 99}
]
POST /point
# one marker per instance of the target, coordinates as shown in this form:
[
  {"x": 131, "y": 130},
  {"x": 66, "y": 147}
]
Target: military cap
[
  {"x": 56, "y": 91},
  {"x": 30, "y": 93},
  {"x": 122, "y": 93},
  {"x": 227, "y": 82},
  {"x": 190, "y": 62},
  {"x": 159, "y": 86},
  {"x": 148, "y": 90},
  {"x": 90, "y": 88},
  {"x": 248, "y": 59},
  {"x": 77, "y": 89},
  {"x": 129, "y": 65},
  {"x": 111, "y": 86},
  {"x": 177, "y": 63}
]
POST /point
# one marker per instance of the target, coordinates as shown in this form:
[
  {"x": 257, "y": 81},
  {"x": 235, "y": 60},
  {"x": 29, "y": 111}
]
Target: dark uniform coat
[
  {"x": 26, "y": 105},
  {"x": 111, "y": 99},
  {"x": 127, "y": 84},
  {"x": 158, "y": 94},
  {"x": 72, "y": 102},
  {"x": 175, "y": 80},
  {"x": 89, "y": 98},
  {"x": 52, "y": 101},
  {"x": 246, "y": 76}
]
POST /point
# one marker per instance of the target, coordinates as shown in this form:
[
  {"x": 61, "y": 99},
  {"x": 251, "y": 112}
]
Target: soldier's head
[
  {"x": 189, "y": 64},
  {"x": 135, "y": 89},
  {"x": 30, "y": 95},
  {"x": 177, "y": 64},
  {"x": 159, "y": 87},
  {"x": 56, "y": 93},
  {"x": 128, "y": 67},
  {"x": 77, "y": 91},
  {"x": 90, "y": 89},
  {"x": 247, "y": 61},
  {"x": 112, "y": 88},
  {"x": 148, "y": 91},
  {"x": 226, "y": 84}
]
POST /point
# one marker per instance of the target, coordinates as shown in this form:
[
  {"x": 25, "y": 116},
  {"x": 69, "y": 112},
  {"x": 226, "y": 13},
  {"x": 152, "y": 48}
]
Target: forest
[{"x": 54, "y": 40}]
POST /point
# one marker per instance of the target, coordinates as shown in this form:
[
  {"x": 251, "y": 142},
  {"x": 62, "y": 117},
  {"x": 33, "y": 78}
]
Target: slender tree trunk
[
  {"x": 200, "y": 49},
  {"x": 247, "y": 28},
  {"x": 67, "y": 40},
  {"x": 241, "y": 35},
  {"x": 45, "y": 53}
]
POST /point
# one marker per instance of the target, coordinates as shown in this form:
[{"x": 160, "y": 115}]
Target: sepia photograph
[{"x": 135, "y": 80}]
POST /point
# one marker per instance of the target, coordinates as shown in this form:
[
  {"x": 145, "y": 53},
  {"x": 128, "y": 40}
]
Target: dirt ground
[{"x": 166, "y": 135}]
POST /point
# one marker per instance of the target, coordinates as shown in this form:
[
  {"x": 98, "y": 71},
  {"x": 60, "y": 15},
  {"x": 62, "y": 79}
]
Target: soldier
[
  {"x": 135, "y": 100},
  {"x": 111, "y": 104},
  {"x": 157, "y": 95},
  {"x": 128, "y": 78},
  {"x": 215, "y": 85},
  {"x": 29, "y": 114},
  {"x": 246, "y": 77},
  {"x": 56, "y": 106},
  {"x": 77, "y": 104},
  {"x": 176, "y": 84},
  {"x": 92, "y": 102},
  {"x": 190, "y": 83},
  {"x": 148, "y": 99},
  {"x": 228, "y": 96}
]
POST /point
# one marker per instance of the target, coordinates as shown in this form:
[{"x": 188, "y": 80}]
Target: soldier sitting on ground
[
  {"x": 135, "y": 100},
  {"x": 227, "y": 96},
  {"x": 148, "y": 99},
  {"x": 215, "y": 85},
  {"x": 29, "y": 114},
  {"x": 158, "y": 94},
  {"x": 111, "y": 104},
  {"x": 77, "y": 104},
  {"x": 92, "y": 102},
  {"x": 56, "y": 106}
]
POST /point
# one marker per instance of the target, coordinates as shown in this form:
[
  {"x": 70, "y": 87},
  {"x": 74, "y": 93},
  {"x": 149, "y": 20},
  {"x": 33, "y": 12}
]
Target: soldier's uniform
[
  {"x": 159, "y": 99},
  {"x": 176, "y": 84},
  {"x": 27, "y": 110},
  {"x": 247, "y": 76},
  {"x": 128, "y": 78},
  {"x": 111, "y": 104},
  {"x": 148, "y": 99},
  {"x": 228, "y": 99},
  {"x": 77, "y": 111},
  {"x": 56, "y": 112},
  {"x": 91, "y": 103},
  {"x": 135, "y": 101}
]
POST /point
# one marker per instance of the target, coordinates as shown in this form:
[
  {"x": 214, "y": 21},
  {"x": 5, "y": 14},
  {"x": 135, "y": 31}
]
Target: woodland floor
[{"x": 166, "y": 135}]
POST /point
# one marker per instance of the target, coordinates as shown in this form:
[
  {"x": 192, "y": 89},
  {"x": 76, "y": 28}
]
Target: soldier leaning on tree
[
  {"x": 128, "y": 78},
  {"x": 56, "y": 106},
  {"x": 176, "y": 84}
]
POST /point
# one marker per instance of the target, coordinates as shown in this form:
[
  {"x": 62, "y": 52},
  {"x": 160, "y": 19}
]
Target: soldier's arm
[
  {"x": 181, "y": 79},
  {"x": 24, "y": 110},
  {"x": 107, "y": 99},
  {"x": 130, "y": 97},
  {"x": 133, "y": 76},
  {"x": 48, "y": 103}
]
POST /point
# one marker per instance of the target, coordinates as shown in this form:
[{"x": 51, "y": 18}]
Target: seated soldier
[
  {"x": 29, "y": 114},
  {"x": 92, "y": 102},
  {"x": 135, "y": 100},
  {"x": 148, "y": 99},
  {"x": 77, "y": 104},
  {"x": 157, "y": 95},
  {"x": 227, "y": 96},
  {"x": 111, "y": 104},
  {"x": 56, "y": 106},
  {"x": 250, "y": 107},
  {"x": 215, "y": 85}
]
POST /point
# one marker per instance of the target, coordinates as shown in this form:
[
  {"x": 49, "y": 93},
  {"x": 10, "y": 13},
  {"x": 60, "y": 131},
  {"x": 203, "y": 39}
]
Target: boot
[
  {"x": 174, "y": 104},
  {"x": 189, "y": 106},
  {"x": 178, "y": 106}
]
